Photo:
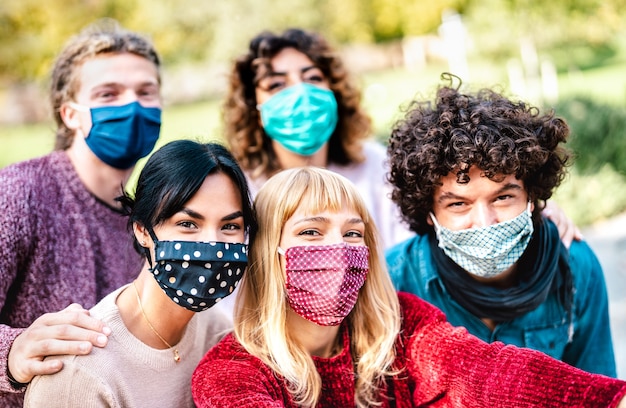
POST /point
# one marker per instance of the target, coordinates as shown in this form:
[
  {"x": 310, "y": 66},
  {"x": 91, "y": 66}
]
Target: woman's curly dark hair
[
  {"x": 248, "y": 142},
  {"x": 499, "y": 136}
]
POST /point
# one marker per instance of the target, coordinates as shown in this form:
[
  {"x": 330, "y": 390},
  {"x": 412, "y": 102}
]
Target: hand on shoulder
[{"x": 69, "y": 331}]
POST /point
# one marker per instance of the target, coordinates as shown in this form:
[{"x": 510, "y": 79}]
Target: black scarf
[{"x": 543, "y": 268}]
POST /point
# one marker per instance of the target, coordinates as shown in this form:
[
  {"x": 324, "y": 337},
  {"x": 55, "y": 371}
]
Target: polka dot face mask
[
  {"x": 196, "y": 275},
  {"x": 323, "y": 281}
]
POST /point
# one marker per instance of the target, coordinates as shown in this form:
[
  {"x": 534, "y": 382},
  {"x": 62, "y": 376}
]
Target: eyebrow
[
  {"x": 356, "y": 221},
  {"x": 503, "y": 189},
  {"x": 196, "y": 215},
  {"x": 327, "y": 220},
  {"x": 114, "y": 84},
  {"x": 233, "y": 216},
  {"x": 284, "y": 73}
]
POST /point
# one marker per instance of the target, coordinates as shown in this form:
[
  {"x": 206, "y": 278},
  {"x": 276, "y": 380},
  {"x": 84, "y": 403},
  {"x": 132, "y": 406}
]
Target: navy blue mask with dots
[{"x": 196, "y": 275}]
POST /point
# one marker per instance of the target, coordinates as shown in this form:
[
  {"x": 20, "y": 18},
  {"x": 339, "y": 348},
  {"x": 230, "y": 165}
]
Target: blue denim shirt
[{"x": 544, "y": 329}]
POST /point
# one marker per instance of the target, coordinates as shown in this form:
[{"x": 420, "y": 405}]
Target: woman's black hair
[{"x": 173, "y": 175}]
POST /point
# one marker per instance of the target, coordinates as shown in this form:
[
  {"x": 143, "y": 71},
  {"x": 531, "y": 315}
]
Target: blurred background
[
  {"x": 564, "y": 54},
  {"x": 567, "y": 55}
]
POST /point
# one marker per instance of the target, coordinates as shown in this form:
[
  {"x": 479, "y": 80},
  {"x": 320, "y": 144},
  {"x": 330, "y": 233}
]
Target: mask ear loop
[
  {"x": 155, "y": 240},
  {"x": 436, "y": 225},
  {"x": 78, "y": 107}
]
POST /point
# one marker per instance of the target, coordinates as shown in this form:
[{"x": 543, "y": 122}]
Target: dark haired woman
[{"x": 190, "y": 217}]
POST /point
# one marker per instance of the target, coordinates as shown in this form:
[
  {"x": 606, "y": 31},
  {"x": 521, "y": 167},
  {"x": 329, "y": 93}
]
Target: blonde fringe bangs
[{"x": 375, "y": 321}]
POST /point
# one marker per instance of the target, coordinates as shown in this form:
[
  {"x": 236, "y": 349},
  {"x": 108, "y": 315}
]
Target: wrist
[{"x": 14, "y": 383}]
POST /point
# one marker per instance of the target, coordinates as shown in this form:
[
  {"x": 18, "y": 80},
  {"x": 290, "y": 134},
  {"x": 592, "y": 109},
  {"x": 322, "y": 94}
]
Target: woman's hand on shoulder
[
  {"x": 69, "y": 331},
  {"x": 568, "y": 231}
]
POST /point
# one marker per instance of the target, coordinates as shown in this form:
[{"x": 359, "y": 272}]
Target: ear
[
  {"x": 70, "y": 116},
  {"x": 142, "y": 235}
]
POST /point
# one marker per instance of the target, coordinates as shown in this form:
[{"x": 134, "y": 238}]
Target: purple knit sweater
[{"x": 58, "y": 244}]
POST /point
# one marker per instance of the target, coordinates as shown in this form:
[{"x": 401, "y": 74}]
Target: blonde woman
[{"x": 318, "y": 323}]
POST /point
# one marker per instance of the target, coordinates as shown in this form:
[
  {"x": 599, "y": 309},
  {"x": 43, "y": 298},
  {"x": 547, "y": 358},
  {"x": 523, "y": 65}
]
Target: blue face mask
[
  {"x": 121, "y": 135},
  {"x": 301, "y": 117}
]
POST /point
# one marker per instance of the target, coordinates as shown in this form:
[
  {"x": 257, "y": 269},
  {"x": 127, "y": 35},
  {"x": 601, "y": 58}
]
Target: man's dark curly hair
[
  {"x": 246, "y": 139},
  {"x": 485, "y": 129}
]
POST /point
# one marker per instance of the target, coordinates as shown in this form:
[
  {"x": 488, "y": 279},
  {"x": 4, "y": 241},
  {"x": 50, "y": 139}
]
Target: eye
[
  {"x": 456, "y": 204},
  {"x": 504, "y": 197},
  {"x": 105, "y": 96},
  {"x": 187, "y": 224},
  {"x": 353, "y": 234},
  {"x": 149, "y": 93},
  {"x": 314, "y": 79},
  {"x": 104, "y": 93},
  {"x": 232, "y": 227},
  {"x": 310, "y": 232},
  {"x": 272, "y": 84}
]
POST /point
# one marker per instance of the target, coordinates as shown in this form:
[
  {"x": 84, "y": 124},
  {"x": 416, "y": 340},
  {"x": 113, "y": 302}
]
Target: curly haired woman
[{"x": 292, "y": 103}]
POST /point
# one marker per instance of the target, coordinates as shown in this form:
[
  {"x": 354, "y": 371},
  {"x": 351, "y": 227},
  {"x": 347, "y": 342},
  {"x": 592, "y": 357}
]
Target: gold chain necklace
[{"x": 176, "y": 355}]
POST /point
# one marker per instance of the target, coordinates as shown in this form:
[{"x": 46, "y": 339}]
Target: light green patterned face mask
[
  {"x": 301, "y": 117},
  {"x": 487, "y": 251}
]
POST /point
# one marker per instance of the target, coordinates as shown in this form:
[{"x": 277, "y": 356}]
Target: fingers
[
  {"x": 37, "y": 367},
  {"x": 568, "y": 231},
  {"x": 69, "y": 331},
  {"x": 74, "y": 315}
]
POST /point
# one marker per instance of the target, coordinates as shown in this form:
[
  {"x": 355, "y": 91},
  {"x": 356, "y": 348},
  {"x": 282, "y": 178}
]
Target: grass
[{"x": 385, "y": 94}]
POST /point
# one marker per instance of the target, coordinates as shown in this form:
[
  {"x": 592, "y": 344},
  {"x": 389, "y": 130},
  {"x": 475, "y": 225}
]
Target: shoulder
[
  {"x": 213, "y": 324},
  {"x": 398, "y": 254},
  {"x": 228, "y": 369},
  {"x": 410, "y": 302},
  {"x": 25, "y": 175},
  {"x": 34, "y": 179},
  {"x": 581, "y": 256},
  {"x": 73, "y": 386},
  {"x": 228, "y": 348},
  {"x": 585, "y": 266},
  {"x": 416, "y": 312},
  {"x": 374, "y": 150}
]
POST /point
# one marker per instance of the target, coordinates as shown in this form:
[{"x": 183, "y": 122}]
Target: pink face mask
[{"x": 323, "y": 281}]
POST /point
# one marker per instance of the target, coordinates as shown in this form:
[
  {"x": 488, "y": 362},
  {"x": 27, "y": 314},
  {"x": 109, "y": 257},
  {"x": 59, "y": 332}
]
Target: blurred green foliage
[
  {"x": 598, "y": 133},
  {"x": 571, "y": 33},
  {"x": 585, "y": 39},
  {"x": 32, "y": 32},
  {"x": 592, "y": 197},
  {"x": 596, "y": 186}
]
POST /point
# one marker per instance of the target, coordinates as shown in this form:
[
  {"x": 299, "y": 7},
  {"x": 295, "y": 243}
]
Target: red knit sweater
[{"x": 442, "y": 366}]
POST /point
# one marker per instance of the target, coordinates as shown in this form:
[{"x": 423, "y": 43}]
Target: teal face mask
[{"x": 301, "y": 117}]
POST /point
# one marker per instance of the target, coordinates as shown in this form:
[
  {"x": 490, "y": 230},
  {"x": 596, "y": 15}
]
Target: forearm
[{"x": 493, "y": 374}]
